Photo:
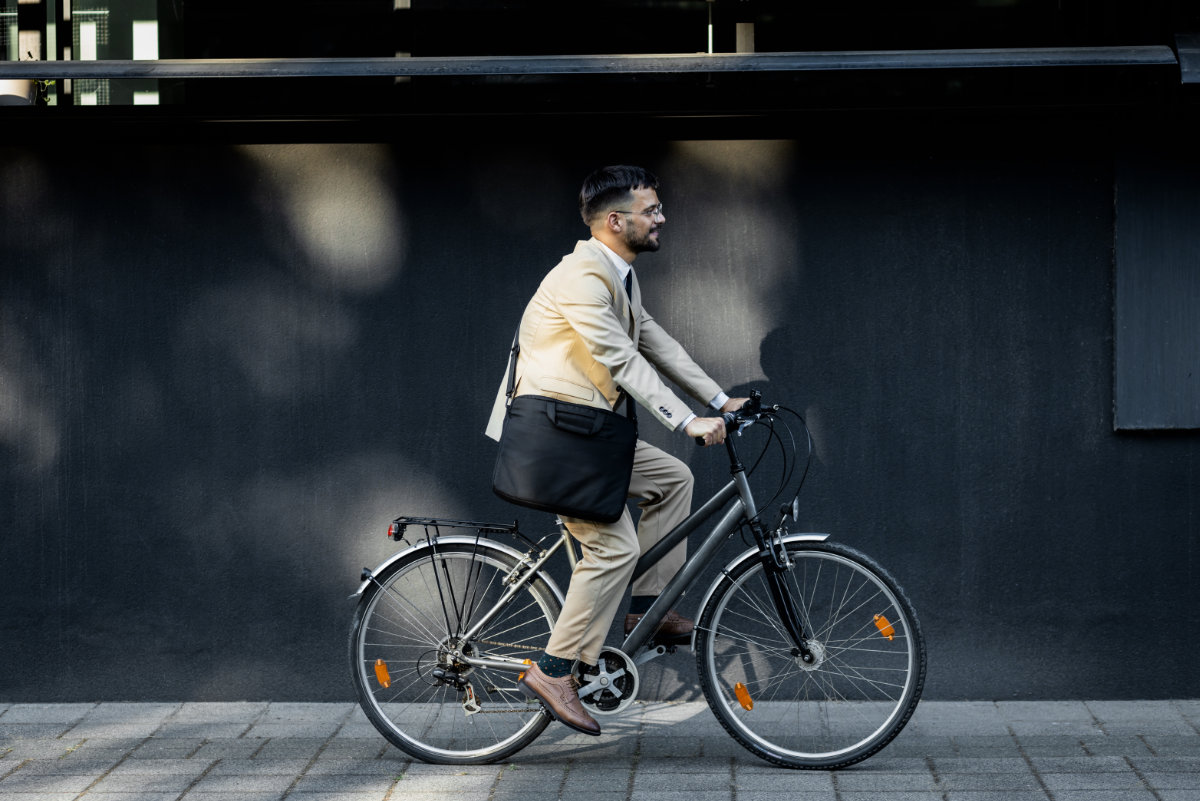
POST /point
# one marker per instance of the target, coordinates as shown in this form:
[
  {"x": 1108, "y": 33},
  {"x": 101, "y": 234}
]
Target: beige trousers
[{"x": 610, "y": 552}]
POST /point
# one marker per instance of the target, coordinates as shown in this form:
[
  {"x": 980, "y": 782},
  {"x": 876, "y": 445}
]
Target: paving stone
[
  {"x": 45, "y": 713},
  {"x": 217, "y": 712},
  {"x": 992, "y": 795},
  {"x": 645, "y": 782},
  {"x": 907, "y": 795},
  {"x": 228, "y": 749},
  {"x": 326, "y": 783},
  {"x": 1092, "y": 781},
  {"x": 883, "y": 782},
  {"x": 1178, "y": 764},
  {"x": 1080, "y": 764},
  {"x": 219, "y": 795},
  {"x": 1173, "y": 781},
  {"x": 990, "y": 781},
  {"x": 235, "y": 785},
  {"x": 785, "y": 781},
  {"x": 955, "y": 764},
  {"x": 28, "y": 731},
  {"x": 52, "y": 767},
  {"x": 1177, "y": 795},
  {"x": 144, "y": 783},
  {"x": 21, "y": 782},
  {"x": 259, "y": 767},
  {"x": 1105, "y": 795},
  {"x": 357, "y": 767}
]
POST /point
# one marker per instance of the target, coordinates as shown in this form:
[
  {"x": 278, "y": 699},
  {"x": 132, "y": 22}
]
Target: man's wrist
[
  {"x": 685, "y": 422},
  {"x": 718, "y": 402}
]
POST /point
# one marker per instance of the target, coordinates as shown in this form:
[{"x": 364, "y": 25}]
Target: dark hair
[{"x": 607, "y": 187}]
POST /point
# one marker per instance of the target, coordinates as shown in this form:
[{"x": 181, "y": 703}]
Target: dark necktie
[{"x": 629, "y": 285}]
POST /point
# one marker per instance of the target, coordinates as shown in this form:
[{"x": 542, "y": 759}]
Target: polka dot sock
[{"x": 555, "y": 666}]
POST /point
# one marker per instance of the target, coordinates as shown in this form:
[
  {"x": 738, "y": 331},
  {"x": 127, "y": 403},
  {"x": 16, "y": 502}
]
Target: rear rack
[
  {"x": 401, "y": 523},
  {"x": 432, "y": 527}
]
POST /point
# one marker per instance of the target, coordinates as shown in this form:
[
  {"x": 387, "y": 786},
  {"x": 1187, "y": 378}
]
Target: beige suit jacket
[{"x": 582, "y": 340}]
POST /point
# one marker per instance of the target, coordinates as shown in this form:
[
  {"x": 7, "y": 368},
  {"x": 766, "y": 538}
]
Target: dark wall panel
[
  {"x": 226, "y": 368},
  {"x": 1157, "y": 294}
]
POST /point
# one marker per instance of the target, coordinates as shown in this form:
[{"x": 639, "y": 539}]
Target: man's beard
[{"x": 642, "y": 244}]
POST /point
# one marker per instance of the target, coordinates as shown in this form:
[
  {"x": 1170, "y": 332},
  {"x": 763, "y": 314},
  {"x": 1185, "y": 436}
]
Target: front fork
[
  {"x": 784, "y": 605},
  {"x": 776, "y": 562}
]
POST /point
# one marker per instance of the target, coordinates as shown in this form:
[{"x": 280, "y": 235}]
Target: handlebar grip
[{"x": 728, "y": 418}]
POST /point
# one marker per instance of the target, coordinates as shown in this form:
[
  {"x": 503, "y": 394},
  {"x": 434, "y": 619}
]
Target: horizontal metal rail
[{"x": 463, "y": 67}]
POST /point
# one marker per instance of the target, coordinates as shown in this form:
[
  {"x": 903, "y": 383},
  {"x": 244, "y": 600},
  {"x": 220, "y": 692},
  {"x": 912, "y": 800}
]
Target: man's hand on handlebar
[
  {"x": 706, "y": 430},
  {"x": 712, "y": 430}
]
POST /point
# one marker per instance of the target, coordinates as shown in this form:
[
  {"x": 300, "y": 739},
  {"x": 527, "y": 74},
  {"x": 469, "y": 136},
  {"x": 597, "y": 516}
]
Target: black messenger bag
[{"x": 565, "y": 458}]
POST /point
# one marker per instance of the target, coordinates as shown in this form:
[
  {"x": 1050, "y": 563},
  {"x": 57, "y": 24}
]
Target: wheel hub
[
  {"x": 818, "y": 656},
  {"x": 449, "y": 667}
]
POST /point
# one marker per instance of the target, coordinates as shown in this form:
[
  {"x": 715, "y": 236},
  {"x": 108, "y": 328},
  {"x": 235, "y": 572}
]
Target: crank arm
[{"x": 603, "y": 682}]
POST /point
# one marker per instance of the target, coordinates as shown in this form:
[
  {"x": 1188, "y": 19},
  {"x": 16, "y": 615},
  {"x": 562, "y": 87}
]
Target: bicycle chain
[{"x": 508, "y": 645}]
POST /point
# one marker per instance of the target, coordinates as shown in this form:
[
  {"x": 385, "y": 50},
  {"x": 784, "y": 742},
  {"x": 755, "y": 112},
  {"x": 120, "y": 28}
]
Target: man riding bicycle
[{"x": 584, "y": 336}]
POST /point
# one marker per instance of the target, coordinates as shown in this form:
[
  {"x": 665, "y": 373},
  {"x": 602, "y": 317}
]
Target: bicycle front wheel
[
  {"x": 408, "y": 626},
  {"x": 868, "y": 666}
]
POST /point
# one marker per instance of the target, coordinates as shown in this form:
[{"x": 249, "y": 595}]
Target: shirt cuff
[
  {"x": 719, "y": 401},
  {"x": 685, "y": 422}
]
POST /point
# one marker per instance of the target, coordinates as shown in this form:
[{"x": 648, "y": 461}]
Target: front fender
[
  {"x": 456, "y": 540},
  {"x": 749, "y": 553}
]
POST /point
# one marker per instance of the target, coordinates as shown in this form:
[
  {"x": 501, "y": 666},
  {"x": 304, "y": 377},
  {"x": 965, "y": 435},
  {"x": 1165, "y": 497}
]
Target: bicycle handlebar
[{"x": 747, "y": 415}]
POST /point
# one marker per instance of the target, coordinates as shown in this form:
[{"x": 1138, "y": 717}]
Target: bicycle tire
[
  {"x": 406, "y": 619},
  {"x": 870, "y": 659}
]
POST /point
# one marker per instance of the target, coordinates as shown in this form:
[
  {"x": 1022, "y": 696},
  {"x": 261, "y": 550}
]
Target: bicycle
[{"x": 808, "y": 652}]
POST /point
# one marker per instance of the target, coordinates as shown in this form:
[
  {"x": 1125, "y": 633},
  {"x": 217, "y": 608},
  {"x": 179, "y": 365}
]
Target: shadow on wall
[{"x": 202, "y": 380}]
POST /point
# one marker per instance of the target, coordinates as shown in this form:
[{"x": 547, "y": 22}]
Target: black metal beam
[
  {"x": 1152, "y": 55},
  {"x": 1188, "y": 45}
]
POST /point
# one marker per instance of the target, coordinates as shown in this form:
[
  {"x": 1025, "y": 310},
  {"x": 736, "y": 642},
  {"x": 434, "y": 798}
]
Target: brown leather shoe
[
  {"x": 674, "y": 629},
  {"x": 560, "y": 697}
]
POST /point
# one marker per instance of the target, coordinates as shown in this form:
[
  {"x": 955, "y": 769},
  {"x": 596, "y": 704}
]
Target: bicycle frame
[
  {"x": 742, "y": 511},
  {"x": 788, "y": 622}
]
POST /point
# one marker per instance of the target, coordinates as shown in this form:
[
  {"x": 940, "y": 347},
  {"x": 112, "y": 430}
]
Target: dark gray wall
[{"x": 226, "y": 368}]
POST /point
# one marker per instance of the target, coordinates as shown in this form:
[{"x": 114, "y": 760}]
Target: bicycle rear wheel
[
  {"x": 868, "y": 669},
  {"x": 407, "y": 625}
]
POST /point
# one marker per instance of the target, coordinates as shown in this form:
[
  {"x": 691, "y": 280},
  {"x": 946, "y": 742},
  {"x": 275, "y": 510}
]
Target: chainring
[{"x": 613, "y": 687}]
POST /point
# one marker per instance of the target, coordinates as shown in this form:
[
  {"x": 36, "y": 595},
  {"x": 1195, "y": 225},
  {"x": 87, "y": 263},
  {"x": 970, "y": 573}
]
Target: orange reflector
[
  {"x": 381, "y": 673},
  {"x": 885, "y": 627},
  {"x": 521, "y": 675},
  {"x": 743, "y": 696}
]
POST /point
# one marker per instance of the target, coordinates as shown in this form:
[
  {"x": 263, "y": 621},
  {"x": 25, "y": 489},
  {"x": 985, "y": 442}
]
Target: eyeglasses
[{"x": 657, "y": 211}]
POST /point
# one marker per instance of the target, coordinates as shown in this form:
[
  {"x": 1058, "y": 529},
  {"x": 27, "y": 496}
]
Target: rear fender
[{"x": 453, "y": 540}]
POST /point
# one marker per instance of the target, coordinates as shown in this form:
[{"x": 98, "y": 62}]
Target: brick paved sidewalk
[{"x": 1009, "y": 751}]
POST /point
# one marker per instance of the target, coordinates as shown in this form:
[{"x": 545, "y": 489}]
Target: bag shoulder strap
[{"x": 512, "y": 366}]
